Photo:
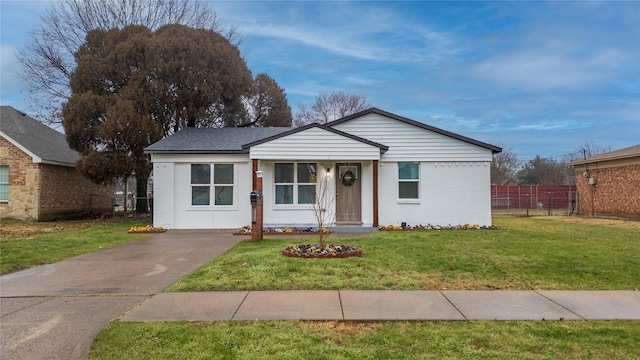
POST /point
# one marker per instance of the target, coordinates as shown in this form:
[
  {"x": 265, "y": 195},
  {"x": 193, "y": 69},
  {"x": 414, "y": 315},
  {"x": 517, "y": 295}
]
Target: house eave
[
  {"x": 56, "y": 163},
  {"x": 602, "y": 160},
  {"x": 196, "y": 152}
]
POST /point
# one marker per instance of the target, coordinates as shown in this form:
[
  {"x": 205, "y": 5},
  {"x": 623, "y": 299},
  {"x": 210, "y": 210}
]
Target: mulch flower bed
[{"x": 314, "y": 251}]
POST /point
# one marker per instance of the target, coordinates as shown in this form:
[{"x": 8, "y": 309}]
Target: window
[
  {"x": 408, "y": 180},
  {"x": 222, "y": 186},
  {"x": 295, "y": 183},
  {"x": 223, "y": 181},
  {"x": 4, "y": 183}
]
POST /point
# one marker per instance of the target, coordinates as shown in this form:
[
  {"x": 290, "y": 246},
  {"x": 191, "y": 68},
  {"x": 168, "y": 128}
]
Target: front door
[{"x": 348, "y": 194}]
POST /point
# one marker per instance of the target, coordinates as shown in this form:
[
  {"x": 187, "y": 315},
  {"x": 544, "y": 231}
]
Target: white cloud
[
  {"x": 543, "y": 69},
  {"x": 370, "y": 33}
]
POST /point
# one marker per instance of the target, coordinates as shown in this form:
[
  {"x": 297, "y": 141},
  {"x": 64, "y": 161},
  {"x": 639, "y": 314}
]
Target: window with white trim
[
  {"x": 295, "y": 183},
  {"x": 4, "y": 183},
  {"x": 212, "y": 179},
  {"x": 408, "y": 180}
]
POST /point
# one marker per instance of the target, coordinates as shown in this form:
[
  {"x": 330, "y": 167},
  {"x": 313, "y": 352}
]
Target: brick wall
[
  {"x": 64, "y": 192},
  {"x": 617, "y": 191},
  {"x": 44, "y": 192},
  {"x": 24, "y": 183}
]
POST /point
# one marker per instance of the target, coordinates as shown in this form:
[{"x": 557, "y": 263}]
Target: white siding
[
  {"x": 451, "y": 193},
  {"x": 164, "y": 195},
  {"x": 314, "y": 144},
  {"x": 407, "y": 142},
  {"x": 302, "y": 215},
  {"x": 172, "y": 193}
]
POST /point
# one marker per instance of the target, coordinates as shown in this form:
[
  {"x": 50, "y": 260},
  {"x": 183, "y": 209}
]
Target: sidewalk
[{"x": 354, "y": 305}]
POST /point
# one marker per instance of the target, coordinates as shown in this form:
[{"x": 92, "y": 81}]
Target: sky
[{"x": 540, "y": 78}]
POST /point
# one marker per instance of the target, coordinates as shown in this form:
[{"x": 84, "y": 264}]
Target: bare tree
[
  {"x": 48, "y": 61},
  {"x": 504, "y": 167},
  {"x": 323, "y": 208},
  {"x": 330, "y": 106},
  {"x": 586, "y": 149}
]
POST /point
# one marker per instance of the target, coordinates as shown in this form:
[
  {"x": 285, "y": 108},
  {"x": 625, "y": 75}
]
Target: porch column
[
  {"x": 257, "y": 222},
  {"x": 375, "y": 193}
]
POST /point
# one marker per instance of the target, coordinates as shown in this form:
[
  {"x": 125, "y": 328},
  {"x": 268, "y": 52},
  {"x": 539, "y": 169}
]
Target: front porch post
[
  {"x": 257, "y": 222},
  {"x": 375, "y": 193}
]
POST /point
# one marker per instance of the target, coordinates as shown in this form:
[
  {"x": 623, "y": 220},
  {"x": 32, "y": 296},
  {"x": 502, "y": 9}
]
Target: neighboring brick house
[
  {"x": 38, "y": 178},
  {"x": 609, "y": 183}
]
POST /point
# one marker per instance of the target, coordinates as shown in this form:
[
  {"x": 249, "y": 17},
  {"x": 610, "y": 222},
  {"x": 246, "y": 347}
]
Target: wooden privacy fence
[{"x": 534, "y": 199}]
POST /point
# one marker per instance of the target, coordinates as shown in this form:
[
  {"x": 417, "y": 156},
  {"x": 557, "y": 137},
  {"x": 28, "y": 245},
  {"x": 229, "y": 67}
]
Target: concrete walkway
[
  {"x": 356, "y": 305},
  {"x": 55, "y": 311}
]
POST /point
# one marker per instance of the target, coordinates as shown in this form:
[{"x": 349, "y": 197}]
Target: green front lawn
[
  {"x": 27, "y": 244},
  {"x": 540, "y": 253},
  {"x": 381, "y": 340},
  {"x": 529, "y": 253}
]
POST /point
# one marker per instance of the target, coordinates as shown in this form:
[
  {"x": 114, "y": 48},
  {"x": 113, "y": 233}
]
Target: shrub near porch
[{"x": 528, "y": 253}]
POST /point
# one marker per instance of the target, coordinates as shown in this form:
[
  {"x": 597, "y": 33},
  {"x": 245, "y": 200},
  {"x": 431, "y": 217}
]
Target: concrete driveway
[{"x": 55, "y": 311}]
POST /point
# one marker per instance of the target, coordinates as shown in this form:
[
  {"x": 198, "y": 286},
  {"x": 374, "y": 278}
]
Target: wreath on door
[{"x": 348, "y": 178}]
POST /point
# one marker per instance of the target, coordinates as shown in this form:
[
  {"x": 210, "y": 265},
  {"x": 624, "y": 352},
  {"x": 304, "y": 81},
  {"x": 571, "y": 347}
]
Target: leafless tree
[
  {"x": 504, "y": 167},
  {"x": 330, "y": 106},
  {"x": 586, "y": 149},
  {"x": 323, "y": 208},
  {"x": 48, "y": 61}
]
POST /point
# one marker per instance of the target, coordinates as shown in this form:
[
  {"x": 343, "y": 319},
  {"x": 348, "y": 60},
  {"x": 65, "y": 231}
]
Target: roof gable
[
  {"x": 315, "y": 142},
  {"x": 42, "y": 143},
  {"x": 382, "y": 148},
  {"x": 494, "y": 149}
]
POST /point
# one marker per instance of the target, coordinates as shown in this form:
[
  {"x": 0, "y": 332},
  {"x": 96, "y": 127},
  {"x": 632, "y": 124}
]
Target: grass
[
  {"x": 27, "y": 244},
  {"x": 379, "y": 340},
  {"x": 529, "y": 253},
  {"x": 563, "y": 253}
]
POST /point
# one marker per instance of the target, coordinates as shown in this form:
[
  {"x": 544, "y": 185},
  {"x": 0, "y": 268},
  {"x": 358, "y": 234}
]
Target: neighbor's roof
[
  {"x": 632, "y": 151},
  {"x": 42, "y": 143},
  {"x": 212, "y": 140},
  {"x": 494, "y": 149}
]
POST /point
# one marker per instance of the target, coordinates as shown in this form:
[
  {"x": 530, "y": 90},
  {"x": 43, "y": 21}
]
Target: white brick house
[{"x": 397, "y": 170}]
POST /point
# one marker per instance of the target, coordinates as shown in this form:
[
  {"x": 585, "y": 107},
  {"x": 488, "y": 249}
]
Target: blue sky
[{"x": 539, "y": 77}]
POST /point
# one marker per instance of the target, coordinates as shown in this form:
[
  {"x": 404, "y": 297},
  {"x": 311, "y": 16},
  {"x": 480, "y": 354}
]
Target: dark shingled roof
[
  {"x": 37, "y": 138},
  {"x": 212, "y": 140}
]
